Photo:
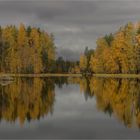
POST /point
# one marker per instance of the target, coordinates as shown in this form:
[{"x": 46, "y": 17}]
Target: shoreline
[
  {"x": 71, "y": 75},
  {"x": 40, "y": 75},
  {"x": 117, "y": 75}
]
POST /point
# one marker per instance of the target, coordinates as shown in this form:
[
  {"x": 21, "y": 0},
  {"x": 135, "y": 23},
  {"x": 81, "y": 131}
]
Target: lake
[{"x": 78, "y": 107}]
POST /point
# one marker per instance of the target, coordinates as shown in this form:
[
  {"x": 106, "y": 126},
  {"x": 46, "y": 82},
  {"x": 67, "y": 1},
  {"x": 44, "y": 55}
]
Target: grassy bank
[
  {"x": 72, "y": 75},
  {"x": 41, "y": 75},
  {"x": 117, "y": 75}
]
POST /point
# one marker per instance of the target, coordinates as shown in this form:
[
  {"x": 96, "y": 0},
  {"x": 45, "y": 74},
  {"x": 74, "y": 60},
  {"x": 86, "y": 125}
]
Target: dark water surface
[{"x": 70, "y": 108}]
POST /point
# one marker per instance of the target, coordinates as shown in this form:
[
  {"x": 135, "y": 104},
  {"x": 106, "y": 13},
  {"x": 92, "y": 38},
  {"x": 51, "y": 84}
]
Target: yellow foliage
[
  {"x": 83, "y": 62},
  {"x": 118, "y": 53}
]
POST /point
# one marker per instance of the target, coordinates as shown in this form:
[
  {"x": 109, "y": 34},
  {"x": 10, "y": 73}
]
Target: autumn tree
[
  {"x": 11, "y": 60},
  {"x": 36, "y": 51},
  {"x": 26, "y": 50},
  {"x": 83, "y": 63},
  {"x": 23, "y": 49},
  {"x": 118, "y": 52}
]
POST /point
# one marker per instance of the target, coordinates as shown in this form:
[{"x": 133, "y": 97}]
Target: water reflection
[
  {"x": 120, "y": 97},
  {"x": 26, "y": 99},
  {"x": 29, "y": 99}
]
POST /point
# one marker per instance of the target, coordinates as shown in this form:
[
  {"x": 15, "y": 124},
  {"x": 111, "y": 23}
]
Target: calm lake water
[{"x": 70, "y": 108}]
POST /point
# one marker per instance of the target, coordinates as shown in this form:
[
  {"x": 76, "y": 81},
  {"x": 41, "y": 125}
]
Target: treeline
[
  {"x": 115, "y": 53},
  {"x": 66, "y": 66},
  {"x": 26, "y": 50},
  {"x": 31, "y": 50}
]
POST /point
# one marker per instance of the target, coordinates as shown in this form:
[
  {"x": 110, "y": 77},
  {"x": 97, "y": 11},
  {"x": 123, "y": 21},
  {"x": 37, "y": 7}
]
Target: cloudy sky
[{"x": 74, "y": 23}]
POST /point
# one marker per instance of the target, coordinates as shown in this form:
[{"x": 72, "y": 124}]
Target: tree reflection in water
[
  {"x": 29, "y": 99},
  {"x": 26, "y": 99},
  {"x": 120, "y": 97}
]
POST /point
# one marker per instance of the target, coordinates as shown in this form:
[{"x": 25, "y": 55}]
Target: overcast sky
[{"x": 75, "y": 24}]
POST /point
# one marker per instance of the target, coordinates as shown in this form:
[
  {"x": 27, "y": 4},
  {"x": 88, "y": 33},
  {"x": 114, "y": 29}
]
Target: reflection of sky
[
  {"x": 73, "y": 117},
  {"x": 75, "y": 24}
]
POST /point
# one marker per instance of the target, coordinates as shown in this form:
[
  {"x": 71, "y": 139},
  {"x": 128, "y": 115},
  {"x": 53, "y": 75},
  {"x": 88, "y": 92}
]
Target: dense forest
[
  {"x": 25, "y": 50},
  {"x": 115, "y": 53},
  {"x": 31, "y": 50}
]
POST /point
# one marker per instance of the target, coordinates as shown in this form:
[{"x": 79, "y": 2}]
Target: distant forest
[{"x": 31, "y": 50}]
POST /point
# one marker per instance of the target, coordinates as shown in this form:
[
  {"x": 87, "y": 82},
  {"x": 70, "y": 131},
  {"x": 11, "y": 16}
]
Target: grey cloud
[
  {"x": 69, "y": 54},
  {"x": 75, "y": 24}
]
